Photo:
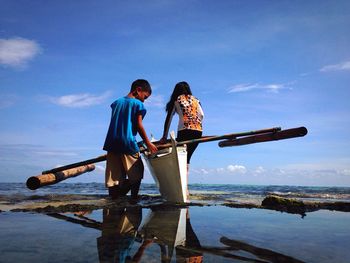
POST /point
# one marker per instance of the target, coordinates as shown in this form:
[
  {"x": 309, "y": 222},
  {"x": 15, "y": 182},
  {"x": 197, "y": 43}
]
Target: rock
[
  {"x": 284, "y": 205},
  {"x": 299, "y": 207}
]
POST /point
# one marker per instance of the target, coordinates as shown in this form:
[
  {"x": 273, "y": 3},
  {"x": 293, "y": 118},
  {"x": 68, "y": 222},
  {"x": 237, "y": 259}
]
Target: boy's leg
[
  {"x": 134, "y": 169},
  {"x": 119, "y": 190},
  {"x": 135, "y": 187},
  {"x": 125, "y": 187},
  {"x": 115, "y": 175},
  {"x": 113, "y": 191}
]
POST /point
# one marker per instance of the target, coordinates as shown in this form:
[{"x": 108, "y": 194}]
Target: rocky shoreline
[{"x": 271, "y": 202}]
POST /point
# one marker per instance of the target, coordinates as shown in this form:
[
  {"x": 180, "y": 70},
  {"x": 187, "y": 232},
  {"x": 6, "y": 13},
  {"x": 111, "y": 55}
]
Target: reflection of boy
[
  {"x": 123, "y": 153},
  {"x": 119, "y": 229}
]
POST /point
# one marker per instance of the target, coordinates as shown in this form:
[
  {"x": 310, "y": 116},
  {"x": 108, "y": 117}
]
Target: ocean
[
  {"x": 76, "y": 222},
  {"x": 210, "y": 193}
]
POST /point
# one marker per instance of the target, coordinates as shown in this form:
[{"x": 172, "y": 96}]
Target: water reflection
[
  {"x": 118, "y": 233},
  {"x": 172, "y": 230},
  {"x": 126, "y": 237}
]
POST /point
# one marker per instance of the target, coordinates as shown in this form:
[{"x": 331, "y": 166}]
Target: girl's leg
[{"x": 185, "y": 135}]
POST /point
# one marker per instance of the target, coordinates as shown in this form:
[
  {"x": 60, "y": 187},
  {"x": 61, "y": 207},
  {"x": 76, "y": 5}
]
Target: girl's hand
[{"x": 163, "y": 140}]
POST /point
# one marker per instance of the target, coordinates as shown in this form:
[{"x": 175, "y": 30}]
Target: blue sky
[{"x": 253, "y": 65}]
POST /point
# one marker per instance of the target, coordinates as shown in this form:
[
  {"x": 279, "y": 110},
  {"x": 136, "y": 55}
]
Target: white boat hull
[{"x": 169, "y": 170}]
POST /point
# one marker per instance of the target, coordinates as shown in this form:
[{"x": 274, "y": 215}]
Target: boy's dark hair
[{"x": 143, "y": 84}]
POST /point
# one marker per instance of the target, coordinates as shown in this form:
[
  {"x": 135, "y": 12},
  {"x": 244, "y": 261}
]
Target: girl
[{"x": 190, "y": 114}]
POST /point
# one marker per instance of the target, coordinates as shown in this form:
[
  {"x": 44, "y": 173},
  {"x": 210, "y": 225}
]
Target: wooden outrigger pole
[
  {"x": 98, "y": 159},
  {"x": 102, "y": 158},
  {"x": 221, "y": 137},
  {"x": 233, "y": 139}
]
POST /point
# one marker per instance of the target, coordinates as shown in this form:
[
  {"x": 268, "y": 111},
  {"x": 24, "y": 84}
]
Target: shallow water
[
  {"x": 215, "y": 233},
  {"x": 149, "y": 232}
]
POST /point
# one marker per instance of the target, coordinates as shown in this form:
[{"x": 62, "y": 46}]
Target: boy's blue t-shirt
[{"x": 122, "y": 128}]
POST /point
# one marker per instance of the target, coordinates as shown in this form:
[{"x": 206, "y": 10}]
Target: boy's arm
[{"x": 141, "y": 130}]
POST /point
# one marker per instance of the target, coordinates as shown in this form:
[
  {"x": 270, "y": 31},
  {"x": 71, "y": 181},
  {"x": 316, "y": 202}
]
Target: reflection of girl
[
  {"x": 190, "y": 252},
  {"x": 190, "y": 114}
]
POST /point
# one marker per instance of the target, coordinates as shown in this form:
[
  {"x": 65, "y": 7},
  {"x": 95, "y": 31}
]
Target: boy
[{"x": 123, "y": 153}]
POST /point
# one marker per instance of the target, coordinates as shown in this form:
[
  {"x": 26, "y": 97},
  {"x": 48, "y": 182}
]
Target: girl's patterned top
[{"x": 190, "y": 113}]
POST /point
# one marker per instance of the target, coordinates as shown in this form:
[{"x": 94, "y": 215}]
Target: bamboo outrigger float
[
  {"x": 38, "y": 181},
  {"x": 265, "y": 137},
  {"x": 169, "y": 165}
]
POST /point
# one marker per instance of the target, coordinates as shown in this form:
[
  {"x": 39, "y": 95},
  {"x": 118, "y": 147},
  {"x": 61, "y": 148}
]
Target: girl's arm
[
  {"x": 167, "y": 123},
  {"x": 141, "y": 130}
]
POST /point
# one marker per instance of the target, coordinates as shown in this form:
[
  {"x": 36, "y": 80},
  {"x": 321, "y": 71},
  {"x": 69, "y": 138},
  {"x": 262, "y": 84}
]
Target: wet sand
[{"x": 96, "y": 229}]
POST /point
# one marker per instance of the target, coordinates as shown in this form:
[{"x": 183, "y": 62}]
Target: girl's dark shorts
[{"x": 184, "y": 135}]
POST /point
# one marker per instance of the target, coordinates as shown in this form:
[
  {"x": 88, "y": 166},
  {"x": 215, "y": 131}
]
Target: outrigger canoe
[{"x": 168, "y": 168}]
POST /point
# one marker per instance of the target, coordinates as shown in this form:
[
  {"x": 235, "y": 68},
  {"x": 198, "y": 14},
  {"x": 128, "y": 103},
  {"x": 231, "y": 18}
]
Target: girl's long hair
[{"x": 181, "y": 88}]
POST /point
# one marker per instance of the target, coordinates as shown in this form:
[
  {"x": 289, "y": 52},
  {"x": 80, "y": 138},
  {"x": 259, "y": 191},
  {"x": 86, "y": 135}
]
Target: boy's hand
[{"x": 152, "y": 148}]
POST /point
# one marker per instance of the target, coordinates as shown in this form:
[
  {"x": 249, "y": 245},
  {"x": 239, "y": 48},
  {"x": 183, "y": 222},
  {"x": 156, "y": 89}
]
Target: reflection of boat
[
  {"x": 169, "y": 170},
  {"x": 171, "y": 230},
  {"x": 167, "y": 226}
]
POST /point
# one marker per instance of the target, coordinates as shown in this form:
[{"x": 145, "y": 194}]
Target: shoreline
[{"x": 95, "y": 202}]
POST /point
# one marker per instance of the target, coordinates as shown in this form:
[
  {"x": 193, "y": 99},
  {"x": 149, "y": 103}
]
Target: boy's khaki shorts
[{"x": 120, "y": 165}]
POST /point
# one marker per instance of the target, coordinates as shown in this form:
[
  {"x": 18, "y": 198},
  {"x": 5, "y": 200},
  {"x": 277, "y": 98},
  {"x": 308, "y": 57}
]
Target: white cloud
[
  {"x": 345, "y": 172},
  {"x": 155, "y": 101},
  {"x": 259, "y": 170},
  {"x": 228, "y": 170},
  {"x": 17, "y": 52},
  {"x": 220, "y": 170},
  {"x": 336, "y": 67},
  {"x": 244, "y": 87},
  {"x": 55, "y": 153},
  {"x": 100, "y": 168},
  {"x": 80, "y": 100},
  {"x": 7, "y": 100},
  {"x": 204, "y": 171},
  {"x": 236, "y": 169},
  {"x": 335, "y": 176}
]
